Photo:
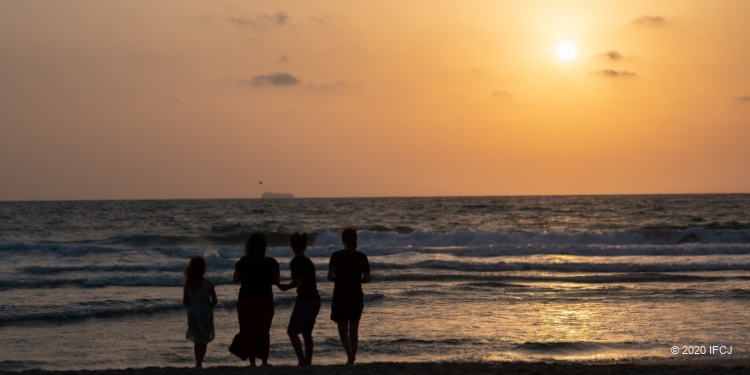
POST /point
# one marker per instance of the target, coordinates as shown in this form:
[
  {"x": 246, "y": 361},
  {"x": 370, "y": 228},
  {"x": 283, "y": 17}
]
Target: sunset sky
[{"x": 130, "y": 99}]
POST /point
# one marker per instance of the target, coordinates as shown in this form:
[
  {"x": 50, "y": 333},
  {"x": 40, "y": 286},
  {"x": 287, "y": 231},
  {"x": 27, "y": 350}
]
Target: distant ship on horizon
[{"x": 267, "y": 195}]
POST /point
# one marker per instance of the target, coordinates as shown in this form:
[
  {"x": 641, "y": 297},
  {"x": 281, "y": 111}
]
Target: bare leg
[
  {"x": 354, "y": 336},
  {"x": 345, "y": 342},
  {"x": 308, "y": 348},
  {"x": 200, "y": 353},
  {"x": 297, "y": 345},
  {"x": 252, "y": 362}
]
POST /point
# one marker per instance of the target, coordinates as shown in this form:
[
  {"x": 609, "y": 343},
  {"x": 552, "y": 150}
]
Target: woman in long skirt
[{"x": 257, "y": 273}]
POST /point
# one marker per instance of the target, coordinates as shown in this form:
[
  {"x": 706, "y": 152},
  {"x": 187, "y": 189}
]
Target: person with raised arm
[{"x": 307, "y": 305}]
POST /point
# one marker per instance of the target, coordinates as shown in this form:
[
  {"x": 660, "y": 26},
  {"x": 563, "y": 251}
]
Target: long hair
[
  {"x": 194, "y": 272},
  {"x": 255, "y": 246}
]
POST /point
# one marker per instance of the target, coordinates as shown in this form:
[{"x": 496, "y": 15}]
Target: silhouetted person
[
  {"x": 307, "y": 305},
  {"x": 348, "y": 269},
  {"x": 199, "y": 295},
  {"x": 255, "y": 307}
]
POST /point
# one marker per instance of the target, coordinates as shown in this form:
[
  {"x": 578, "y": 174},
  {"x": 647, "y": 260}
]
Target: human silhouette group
[{"x": 257, "y": 274}]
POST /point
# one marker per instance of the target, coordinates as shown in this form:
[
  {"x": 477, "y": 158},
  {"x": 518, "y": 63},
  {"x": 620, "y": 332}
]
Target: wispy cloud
[
  {"x": 325, "y": 20},
  {"x": 283, "y": 59},
  {"x": 274, "y": 79},
  {"x": 745, "y": 98},
  {"x": 613, "y": 55},
  {"x": 650, "y": 21},
  {"x": 280, "y": 18},
  {"x": 261, "y": 22},
  {"x": 611, "y": 73},
  {"x": 245, "y": 22}
]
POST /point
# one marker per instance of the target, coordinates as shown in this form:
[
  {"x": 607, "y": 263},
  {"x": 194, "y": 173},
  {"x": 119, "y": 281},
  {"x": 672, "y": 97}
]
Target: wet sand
[{"x": 729, "y": 366}]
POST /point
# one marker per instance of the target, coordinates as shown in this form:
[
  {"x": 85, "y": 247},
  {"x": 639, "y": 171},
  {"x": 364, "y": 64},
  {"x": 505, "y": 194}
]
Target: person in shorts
[
  {"x": 348, "y": 269},
  {"x": 307, "y": 305}
]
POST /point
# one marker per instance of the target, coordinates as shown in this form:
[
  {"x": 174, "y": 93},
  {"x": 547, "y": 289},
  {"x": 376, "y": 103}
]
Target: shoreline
[{"x": 661, "y": 367}]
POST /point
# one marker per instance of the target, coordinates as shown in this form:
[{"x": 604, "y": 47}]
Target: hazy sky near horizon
[{"x": 194, "y": 99}]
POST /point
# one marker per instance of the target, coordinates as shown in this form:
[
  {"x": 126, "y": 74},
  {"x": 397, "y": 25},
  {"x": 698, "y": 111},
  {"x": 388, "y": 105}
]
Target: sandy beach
[{"x": 737, "y": 366}]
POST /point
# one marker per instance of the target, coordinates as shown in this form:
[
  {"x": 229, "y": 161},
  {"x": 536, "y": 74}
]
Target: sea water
[{"x": 97, "y": 284}]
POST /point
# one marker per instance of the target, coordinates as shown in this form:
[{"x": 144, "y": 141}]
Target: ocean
[{"x": 98, "y": 284}]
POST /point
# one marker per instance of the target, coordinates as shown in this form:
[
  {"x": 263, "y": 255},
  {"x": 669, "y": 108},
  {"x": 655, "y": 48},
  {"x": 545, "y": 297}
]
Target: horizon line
[{"x": 370, "y": 197}]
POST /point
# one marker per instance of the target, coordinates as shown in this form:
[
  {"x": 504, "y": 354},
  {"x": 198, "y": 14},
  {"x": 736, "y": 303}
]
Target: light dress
[{"x": 200, "y": 314}]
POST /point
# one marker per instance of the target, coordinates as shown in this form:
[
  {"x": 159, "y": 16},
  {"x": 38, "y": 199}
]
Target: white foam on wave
[
  {"x": 473, "y": 243},
  {"x": 469, "y": 238}
]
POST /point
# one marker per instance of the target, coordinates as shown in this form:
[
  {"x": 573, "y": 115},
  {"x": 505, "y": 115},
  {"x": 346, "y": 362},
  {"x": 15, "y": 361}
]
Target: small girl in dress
[{"x": 200, "y": 298}]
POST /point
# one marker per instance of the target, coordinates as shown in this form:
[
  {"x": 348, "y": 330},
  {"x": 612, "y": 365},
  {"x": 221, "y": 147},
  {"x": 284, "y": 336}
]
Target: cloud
[
  {"x": 275, "y": 79},
  {"x": 650, "y": 21},
  {"x": 745, "y": 98},
  {"x": 327, "y": 19},
  {"x": 261, "y": 22},
  {"x": 280, "y": 18},
  {"x": 616, "y": 73},
  {"x": 322, "y": 20},
  {"x": 613, "y": 55},
  {"x": 244, "y": 22},
  {"x": 283, "y": 59}
]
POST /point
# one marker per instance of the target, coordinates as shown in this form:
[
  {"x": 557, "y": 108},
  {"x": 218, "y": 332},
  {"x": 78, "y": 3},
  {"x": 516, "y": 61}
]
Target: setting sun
[
  {"x": 566, "y": 50},
  {"x": 546, "y": 91},
  {"x": 408, "y": 187}
]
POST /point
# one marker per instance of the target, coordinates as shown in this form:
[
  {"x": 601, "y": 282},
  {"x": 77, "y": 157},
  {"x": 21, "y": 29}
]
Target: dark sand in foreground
[{"x": 737, "y": 366}]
